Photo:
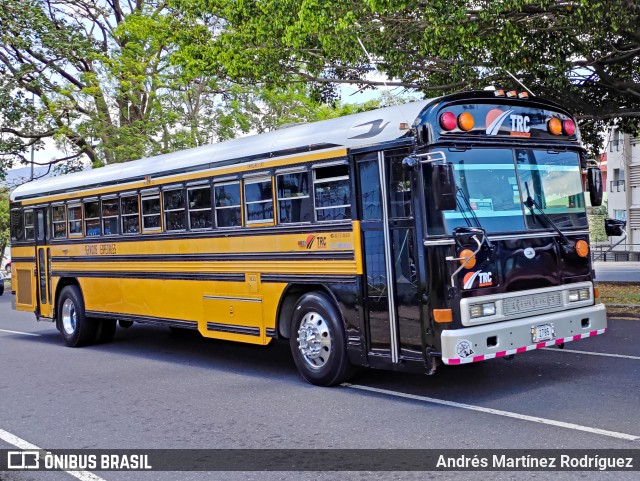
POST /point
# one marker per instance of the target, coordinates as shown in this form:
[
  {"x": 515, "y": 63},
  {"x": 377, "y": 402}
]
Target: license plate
[{"x": 543, "y": 332}]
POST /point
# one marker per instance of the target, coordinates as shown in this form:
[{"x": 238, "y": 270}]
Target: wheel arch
[
  {"x": 288, "y": 301},
  {"x": 62, "y": 283}
]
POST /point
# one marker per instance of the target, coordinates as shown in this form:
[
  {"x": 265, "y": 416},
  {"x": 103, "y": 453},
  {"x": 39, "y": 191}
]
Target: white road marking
[
  {"x": 623, "y": 356},
  {"x": 25, "y": 445},
  {"x": 498, "y": 412},
  {"x": 19, "y": 332}
]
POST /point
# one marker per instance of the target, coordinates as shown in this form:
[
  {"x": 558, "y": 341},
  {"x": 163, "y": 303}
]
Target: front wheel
[
  {"x": 76, "y": 329},
  {"x": 318, "y": 342}
]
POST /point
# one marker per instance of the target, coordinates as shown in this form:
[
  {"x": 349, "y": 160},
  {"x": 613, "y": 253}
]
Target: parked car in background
[{"x": 1, "y": 283}]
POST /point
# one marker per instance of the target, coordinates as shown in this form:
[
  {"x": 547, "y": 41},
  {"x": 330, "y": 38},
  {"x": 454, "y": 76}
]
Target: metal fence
[{"x": 620, "y": 253}]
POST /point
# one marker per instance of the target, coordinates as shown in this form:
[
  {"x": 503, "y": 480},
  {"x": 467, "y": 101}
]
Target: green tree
[
  {"x": 584, "y": 54},
  {"x": 112, "y": 81},
  {"x": 104, "y": 82}
]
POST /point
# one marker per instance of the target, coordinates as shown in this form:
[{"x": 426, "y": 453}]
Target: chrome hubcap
[
  {"x": 69, "y": 316},
  {"x": 314, "y": 340}
]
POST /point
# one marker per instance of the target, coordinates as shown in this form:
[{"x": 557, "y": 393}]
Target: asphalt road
[{"x": 151, "y": 389}]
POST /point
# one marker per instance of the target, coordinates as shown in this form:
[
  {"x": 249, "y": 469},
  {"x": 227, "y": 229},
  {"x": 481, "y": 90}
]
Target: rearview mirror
[
  {"x": 443, "y": 183},
  {"x": 614, "y": 227},
  {"x": 594, "y": 181}
]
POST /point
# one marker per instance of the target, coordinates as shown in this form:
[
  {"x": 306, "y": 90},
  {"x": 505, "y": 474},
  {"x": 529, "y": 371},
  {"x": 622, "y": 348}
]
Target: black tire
[
  {"x": 106, "y": 330},
  {"x": 125, "y": 324},
  {"x": 318, "y": 342},
  {"x": 76, "y": 329}
]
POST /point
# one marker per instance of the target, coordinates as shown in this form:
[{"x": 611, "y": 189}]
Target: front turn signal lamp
[
  {"x": 443, "y": 316},
  {"x": 582, "y": 248}
]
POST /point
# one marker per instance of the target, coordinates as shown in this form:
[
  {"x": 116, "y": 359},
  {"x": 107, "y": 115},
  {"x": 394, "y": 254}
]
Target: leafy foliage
[
  {"x": 584, "y": 54},
  {"x": 115, "y": 81},
  {"x": 102, "y": 75}
]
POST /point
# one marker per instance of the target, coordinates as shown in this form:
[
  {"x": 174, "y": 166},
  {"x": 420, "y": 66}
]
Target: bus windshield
[{"x": 493, "y": 185}]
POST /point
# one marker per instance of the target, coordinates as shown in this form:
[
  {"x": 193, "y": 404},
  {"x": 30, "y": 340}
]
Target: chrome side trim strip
[
  {"x": 225, "y": 298},
  {"x": 448, "y": 241}
]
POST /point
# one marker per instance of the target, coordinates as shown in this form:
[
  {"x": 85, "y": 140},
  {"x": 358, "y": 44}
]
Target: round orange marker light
[
  {"x": 467, "y": 255},
  {"x": 466, "y": 121},
  {"x": 582, "y": 248},
  {"x": 554, "y": 126}
]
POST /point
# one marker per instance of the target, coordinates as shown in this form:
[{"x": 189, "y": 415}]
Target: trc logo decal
[
  {"x": 520, "y": 124},
  {"x": 319, "y": 240},
  {"x": 485, "y": 279}
]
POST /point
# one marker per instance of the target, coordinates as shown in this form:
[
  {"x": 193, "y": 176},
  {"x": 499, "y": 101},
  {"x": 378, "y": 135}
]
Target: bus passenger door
[
  {"x": 43, "y": 267},
  {"x": 391, "y": 300}
]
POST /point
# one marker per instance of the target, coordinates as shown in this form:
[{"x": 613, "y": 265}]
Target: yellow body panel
[
  {"x": 214, "y": 281},
  {"x": 112, "y": 275}
]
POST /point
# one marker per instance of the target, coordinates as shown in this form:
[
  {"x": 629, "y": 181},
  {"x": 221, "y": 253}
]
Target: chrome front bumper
[{"x": 487, "y": 341}]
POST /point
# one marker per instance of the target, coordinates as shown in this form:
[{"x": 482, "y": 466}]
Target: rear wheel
[
  {"x": 318, "y": 341},
  {"x": 76, "y": 329}
]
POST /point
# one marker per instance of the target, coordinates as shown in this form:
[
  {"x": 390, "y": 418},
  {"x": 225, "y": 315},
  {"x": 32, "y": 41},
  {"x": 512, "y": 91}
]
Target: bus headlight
[
  {"x": 482, "y": 310},
  {"x": 576, "y": 295}
]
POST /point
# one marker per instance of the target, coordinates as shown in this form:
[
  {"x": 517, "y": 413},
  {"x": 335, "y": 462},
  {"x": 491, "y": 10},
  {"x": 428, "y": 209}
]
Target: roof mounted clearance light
[
  {"x": 465, "y": 121},
  {"x": 448, "y": 121},
  {"x": 498, "y": 93},
  {"x": 568, "y": 127},
  {"x": 523, "y": 95},
  {"x": 554, "y": 126},
  {"x": 512, "y": 93}
]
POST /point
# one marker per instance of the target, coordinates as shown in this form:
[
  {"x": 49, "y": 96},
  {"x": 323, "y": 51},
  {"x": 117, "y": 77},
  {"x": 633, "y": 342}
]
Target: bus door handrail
[{"x": 436, "y": 156}]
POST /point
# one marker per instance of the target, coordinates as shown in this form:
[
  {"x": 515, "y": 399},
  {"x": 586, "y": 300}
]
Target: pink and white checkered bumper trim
[{"x": 540, "y": 345}]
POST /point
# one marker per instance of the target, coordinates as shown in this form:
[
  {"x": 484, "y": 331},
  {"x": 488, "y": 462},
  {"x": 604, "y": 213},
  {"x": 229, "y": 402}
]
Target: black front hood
[{"x": 524, "y": 263}]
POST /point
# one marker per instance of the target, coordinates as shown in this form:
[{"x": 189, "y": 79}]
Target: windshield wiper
[
  {"x": 531, "y": 203},
  {"x": 461, "y": 194}
]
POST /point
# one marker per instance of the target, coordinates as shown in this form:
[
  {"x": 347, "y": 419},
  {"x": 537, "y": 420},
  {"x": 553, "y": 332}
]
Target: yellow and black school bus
[{"x": 449, "y": 230}]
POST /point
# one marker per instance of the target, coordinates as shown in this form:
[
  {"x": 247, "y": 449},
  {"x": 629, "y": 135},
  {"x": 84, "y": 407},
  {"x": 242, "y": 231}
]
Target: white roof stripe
[{"x": 382, "y": 125}]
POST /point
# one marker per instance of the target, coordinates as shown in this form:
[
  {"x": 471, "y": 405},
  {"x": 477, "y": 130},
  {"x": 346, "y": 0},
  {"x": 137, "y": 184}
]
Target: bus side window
[
  {"x": 92, "y": 218},
  {"x": 227, "y": 204},
  {"x": 174, "y": 209},
  {"x": 151, "y": 212},
  {"x": 258, "y": 198},
  {"x": 199, "y": 201},
  {"x": 59, "y": 221},
  {"x": 110, "y": 211},
  {"x": 294, "y": 201},
  {"x": 400, "y": 188},
  {"x": 28, "y": 225},
  {"x": 332, "y": 192},
  {"x": 130, "y": 214},
  {"x": 17, "y": 225},
  {"x": 74, "y": 219}
]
